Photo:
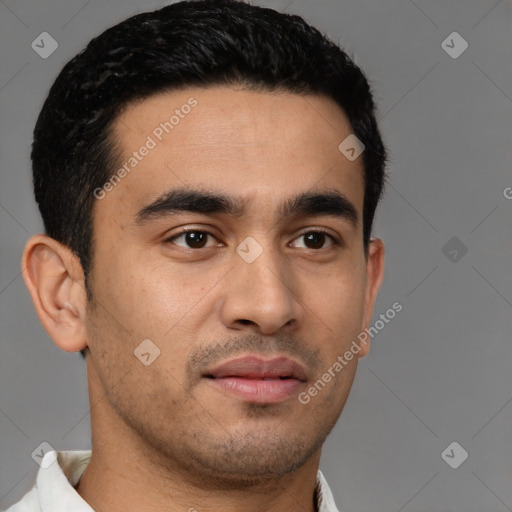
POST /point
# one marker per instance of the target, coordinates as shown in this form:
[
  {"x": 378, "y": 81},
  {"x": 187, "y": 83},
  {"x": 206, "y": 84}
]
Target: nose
[{"x": 261, "y": 294}]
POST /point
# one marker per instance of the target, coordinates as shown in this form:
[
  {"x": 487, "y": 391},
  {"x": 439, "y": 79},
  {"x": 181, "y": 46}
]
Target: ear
[
  {"x": 55, "y": 280},
  {"x": 374, "y": 277}
]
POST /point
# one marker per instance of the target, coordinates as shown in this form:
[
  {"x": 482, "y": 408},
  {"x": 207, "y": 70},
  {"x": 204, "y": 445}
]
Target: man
[{"x": 208, "y": 176}]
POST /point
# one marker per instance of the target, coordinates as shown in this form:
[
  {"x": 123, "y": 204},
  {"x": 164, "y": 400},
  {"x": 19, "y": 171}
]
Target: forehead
[{"x": 260, "y": 146}]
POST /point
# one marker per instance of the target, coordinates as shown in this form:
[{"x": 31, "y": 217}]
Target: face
[{"x": 214, "y": 248}]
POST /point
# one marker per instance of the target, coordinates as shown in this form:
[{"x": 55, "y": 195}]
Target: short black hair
[{"x": 194, "y": 43}]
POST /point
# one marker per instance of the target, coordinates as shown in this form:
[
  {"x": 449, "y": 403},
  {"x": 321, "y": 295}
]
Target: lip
[{"x": 258, "y": 380}]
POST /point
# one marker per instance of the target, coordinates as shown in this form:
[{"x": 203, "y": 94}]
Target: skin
[{"x": 162, "y": 437}]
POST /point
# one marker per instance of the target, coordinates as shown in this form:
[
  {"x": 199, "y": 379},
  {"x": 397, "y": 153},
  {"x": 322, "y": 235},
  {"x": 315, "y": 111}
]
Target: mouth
[{"x": 257, "y": 380}]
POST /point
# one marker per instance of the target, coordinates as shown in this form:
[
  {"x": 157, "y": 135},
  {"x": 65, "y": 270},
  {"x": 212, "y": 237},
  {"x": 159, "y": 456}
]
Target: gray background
[{"x": 441, "y": 371}]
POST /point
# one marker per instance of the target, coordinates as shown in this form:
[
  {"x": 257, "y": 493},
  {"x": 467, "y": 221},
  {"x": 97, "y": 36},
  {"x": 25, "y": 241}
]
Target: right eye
[{"x": 191, "y": 238}]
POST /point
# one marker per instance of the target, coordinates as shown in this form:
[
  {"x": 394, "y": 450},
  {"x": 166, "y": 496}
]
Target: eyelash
[{"x": 188, "y": 230}]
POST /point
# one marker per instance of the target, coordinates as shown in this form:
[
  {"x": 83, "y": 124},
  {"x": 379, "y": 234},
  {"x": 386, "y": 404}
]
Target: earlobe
[
  {"x": 374, "y": 278},
  {"x": 54, "y": 278}
]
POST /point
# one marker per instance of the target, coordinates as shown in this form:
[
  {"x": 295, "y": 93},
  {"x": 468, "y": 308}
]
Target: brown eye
[
  {"x": 193, "y": 239},
  {"x": 316, "y": 240}
]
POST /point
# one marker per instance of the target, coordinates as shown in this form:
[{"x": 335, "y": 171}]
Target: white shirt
[{"x": 61, "y": 471}]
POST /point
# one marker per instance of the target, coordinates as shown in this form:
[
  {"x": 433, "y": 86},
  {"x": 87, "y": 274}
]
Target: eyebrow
[{"x": 313, "y": 204}]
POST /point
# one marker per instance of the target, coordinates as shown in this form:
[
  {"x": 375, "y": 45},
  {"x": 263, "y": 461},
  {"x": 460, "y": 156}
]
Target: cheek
[
  {"x": 337, "y": 297},
  {"x": 135, "y": 315},
  {"x": 159, "y": 302},
  {"x": 146, "y": 299}
]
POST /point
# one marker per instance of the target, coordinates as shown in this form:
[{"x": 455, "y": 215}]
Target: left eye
[
  {"x": 316, "y": 239},
  {"x": 194, "y": 239}
]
